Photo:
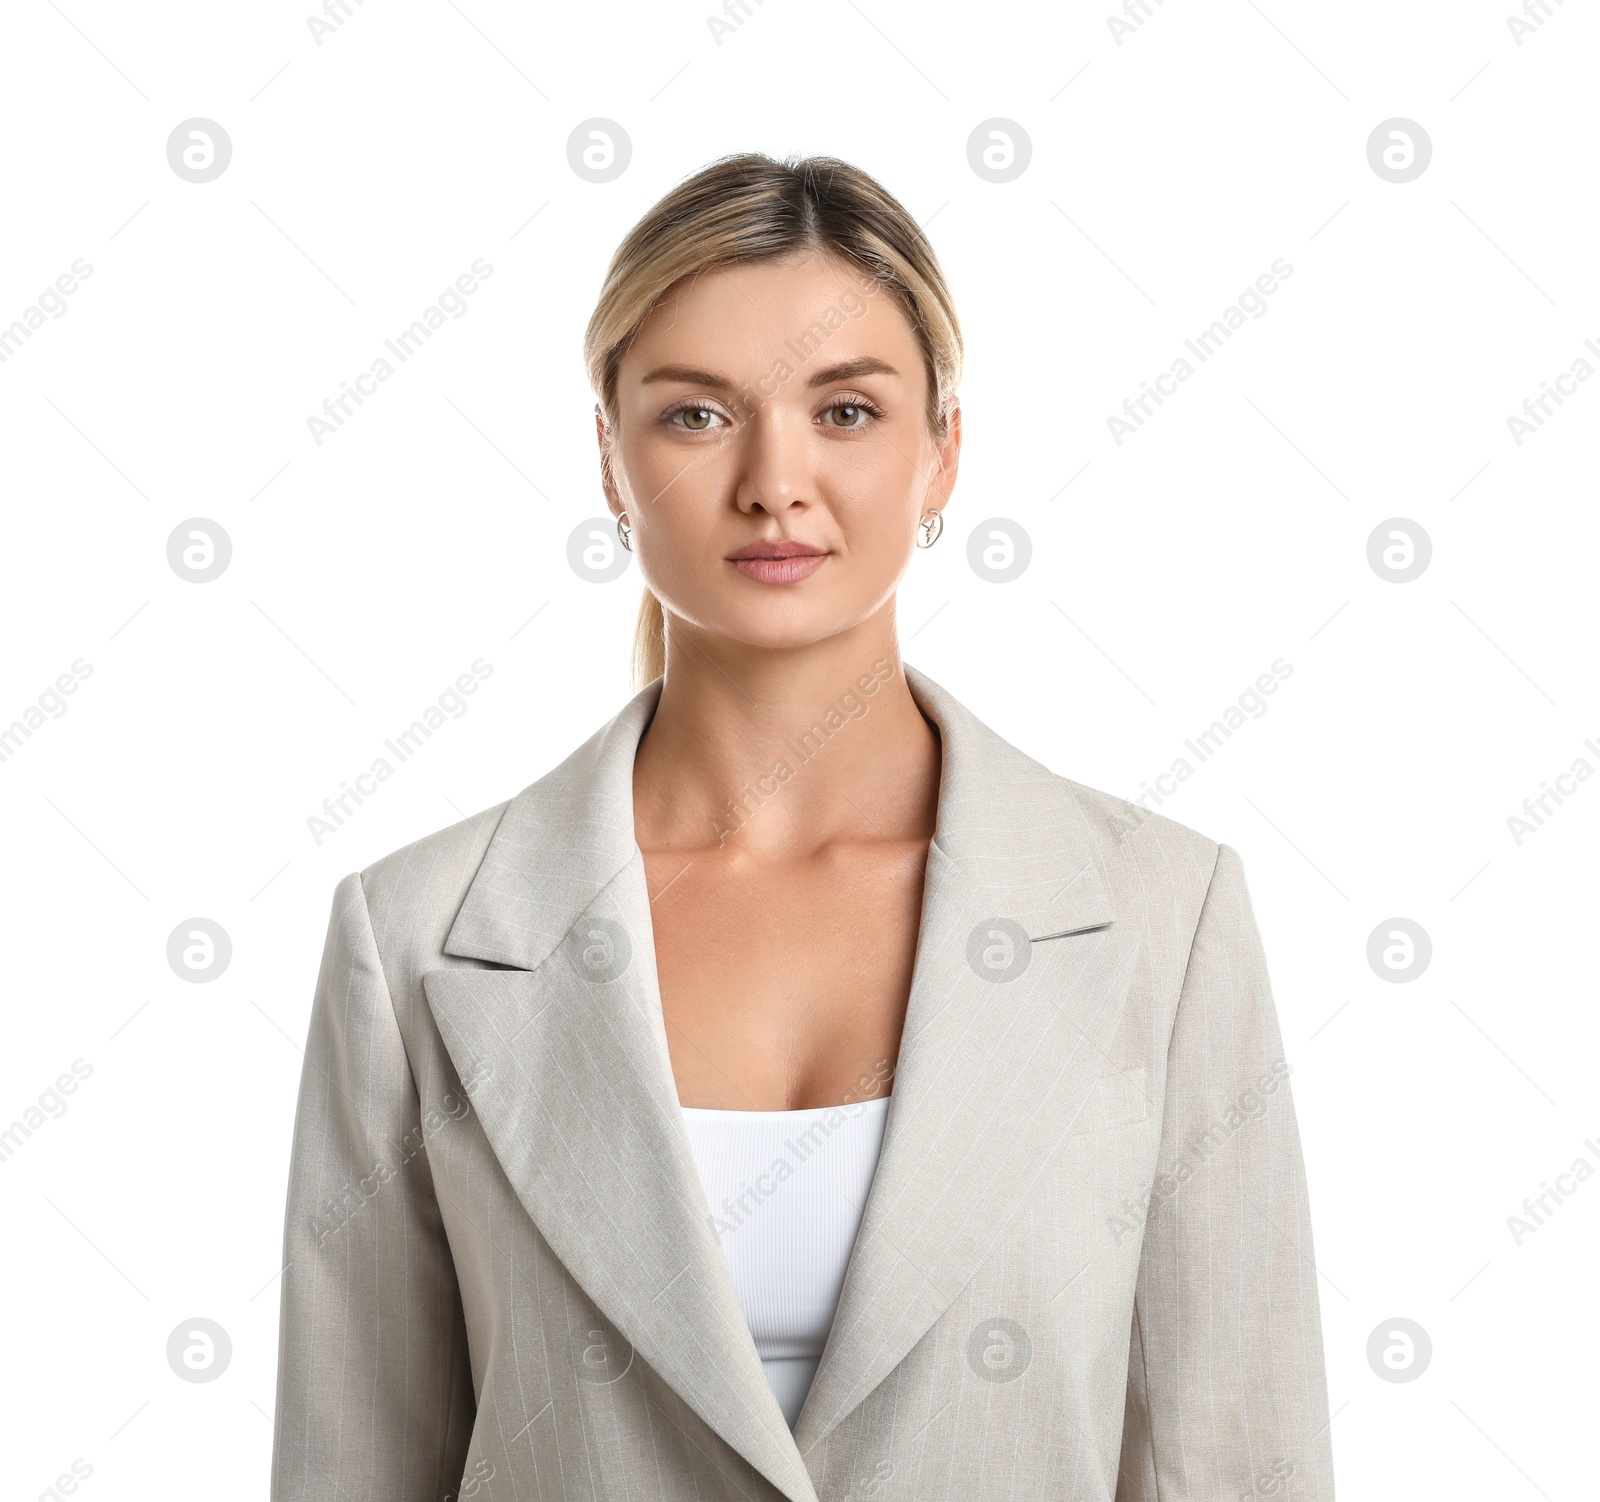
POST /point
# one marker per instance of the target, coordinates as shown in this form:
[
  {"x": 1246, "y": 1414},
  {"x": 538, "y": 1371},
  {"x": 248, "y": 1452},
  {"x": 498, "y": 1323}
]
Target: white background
[{"x": 1167, "y": 173}]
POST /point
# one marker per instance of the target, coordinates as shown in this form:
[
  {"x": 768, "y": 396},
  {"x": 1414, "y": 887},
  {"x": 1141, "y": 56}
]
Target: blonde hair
[{"x": 751, "y": 207}]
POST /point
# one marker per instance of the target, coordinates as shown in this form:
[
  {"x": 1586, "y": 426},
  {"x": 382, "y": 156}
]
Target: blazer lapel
[
  {"x": 1017, "y": 991},
  {"x": 575, "y": 1088}
]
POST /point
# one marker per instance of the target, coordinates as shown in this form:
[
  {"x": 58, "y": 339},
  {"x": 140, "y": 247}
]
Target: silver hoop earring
[
  {"x": 624, "y": 531},
  {"x": 931, "y": 526}
]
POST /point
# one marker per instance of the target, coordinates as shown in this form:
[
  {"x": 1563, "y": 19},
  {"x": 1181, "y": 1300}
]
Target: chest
[{"x": 784, "y": 985}]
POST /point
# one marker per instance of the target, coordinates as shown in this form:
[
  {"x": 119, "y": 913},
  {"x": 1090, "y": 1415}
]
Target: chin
[{"x": 781, "y": 626}]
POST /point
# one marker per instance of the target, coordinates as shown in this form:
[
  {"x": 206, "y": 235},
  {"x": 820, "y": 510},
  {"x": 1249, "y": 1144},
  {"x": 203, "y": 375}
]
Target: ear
[
  {"x": 608, "y": 479},
  {"x": 947, "y": 460}
]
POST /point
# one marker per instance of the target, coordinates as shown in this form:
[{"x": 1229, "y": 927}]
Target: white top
[{"x": 786, "y": 1191}]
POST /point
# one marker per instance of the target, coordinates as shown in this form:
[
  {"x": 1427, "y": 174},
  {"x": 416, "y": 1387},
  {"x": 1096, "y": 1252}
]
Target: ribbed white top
[{"x": 786, "y": 1190}]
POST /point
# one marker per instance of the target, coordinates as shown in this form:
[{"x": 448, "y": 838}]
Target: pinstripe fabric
[{"x": 1084, "y": 1266}]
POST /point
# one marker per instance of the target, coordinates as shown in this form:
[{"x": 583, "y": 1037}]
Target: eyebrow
[
  {"x": 845, "y": 370},
  {"x": 689, "y": 375},
  {"x": 848, "y": 369}
]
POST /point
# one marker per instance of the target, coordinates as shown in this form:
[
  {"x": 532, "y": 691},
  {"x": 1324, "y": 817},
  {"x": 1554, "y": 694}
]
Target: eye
[
  {"x": 850, "y": 413},
  {"x": 693, "y": 417}
]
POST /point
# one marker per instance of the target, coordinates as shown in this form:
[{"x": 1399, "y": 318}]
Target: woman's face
[{"x": 772, "y": 450}]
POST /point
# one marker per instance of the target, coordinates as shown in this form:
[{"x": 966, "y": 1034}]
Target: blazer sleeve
[
  {"x": 375, "y": 1393},
  {"x": 1227, "y": 1395}
]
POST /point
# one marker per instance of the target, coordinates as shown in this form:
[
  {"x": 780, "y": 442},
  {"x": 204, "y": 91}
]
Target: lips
[
  {"x": 785, "y": 561},
  {"x": 782, "y": 547}
]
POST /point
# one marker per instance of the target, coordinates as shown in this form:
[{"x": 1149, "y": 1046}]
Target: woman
[{"x": 799, "y": 1092}]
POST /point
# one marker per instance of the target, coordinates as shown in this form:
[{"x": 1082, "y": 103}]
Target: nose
[{"x": 774, "y": 472}]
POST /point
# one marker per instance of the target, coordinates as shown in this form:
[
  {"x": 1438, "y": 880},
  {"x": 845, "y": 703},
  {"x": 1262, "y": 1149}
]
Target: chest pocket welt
[{"x": 1120, "y": 1098}]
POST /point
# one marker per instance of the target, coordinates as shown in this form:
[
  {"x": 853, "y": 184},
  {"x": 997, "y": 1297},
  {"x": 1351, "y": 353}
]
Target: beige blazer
[{"x": 1085, "y": 1265}]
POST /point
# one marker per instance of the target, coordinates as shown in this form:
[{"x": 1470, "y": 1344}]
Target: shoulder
[
  {"x": 1133, "y": 839},
  {"x": 1156, "y": 869},
  {"x": 413, "y": 894},
  {"x": 519, "y": 864},
  {"x": 1163, "y": 876},
  {"x": 1024, "y": 794},
  {"x": 1151, "y": 861}
]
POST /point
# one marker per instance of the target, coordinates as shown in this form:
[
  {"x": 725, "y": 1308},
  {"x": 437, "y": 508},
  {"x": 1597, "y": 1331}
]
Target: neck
[{"x": 775, "y": 754}]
